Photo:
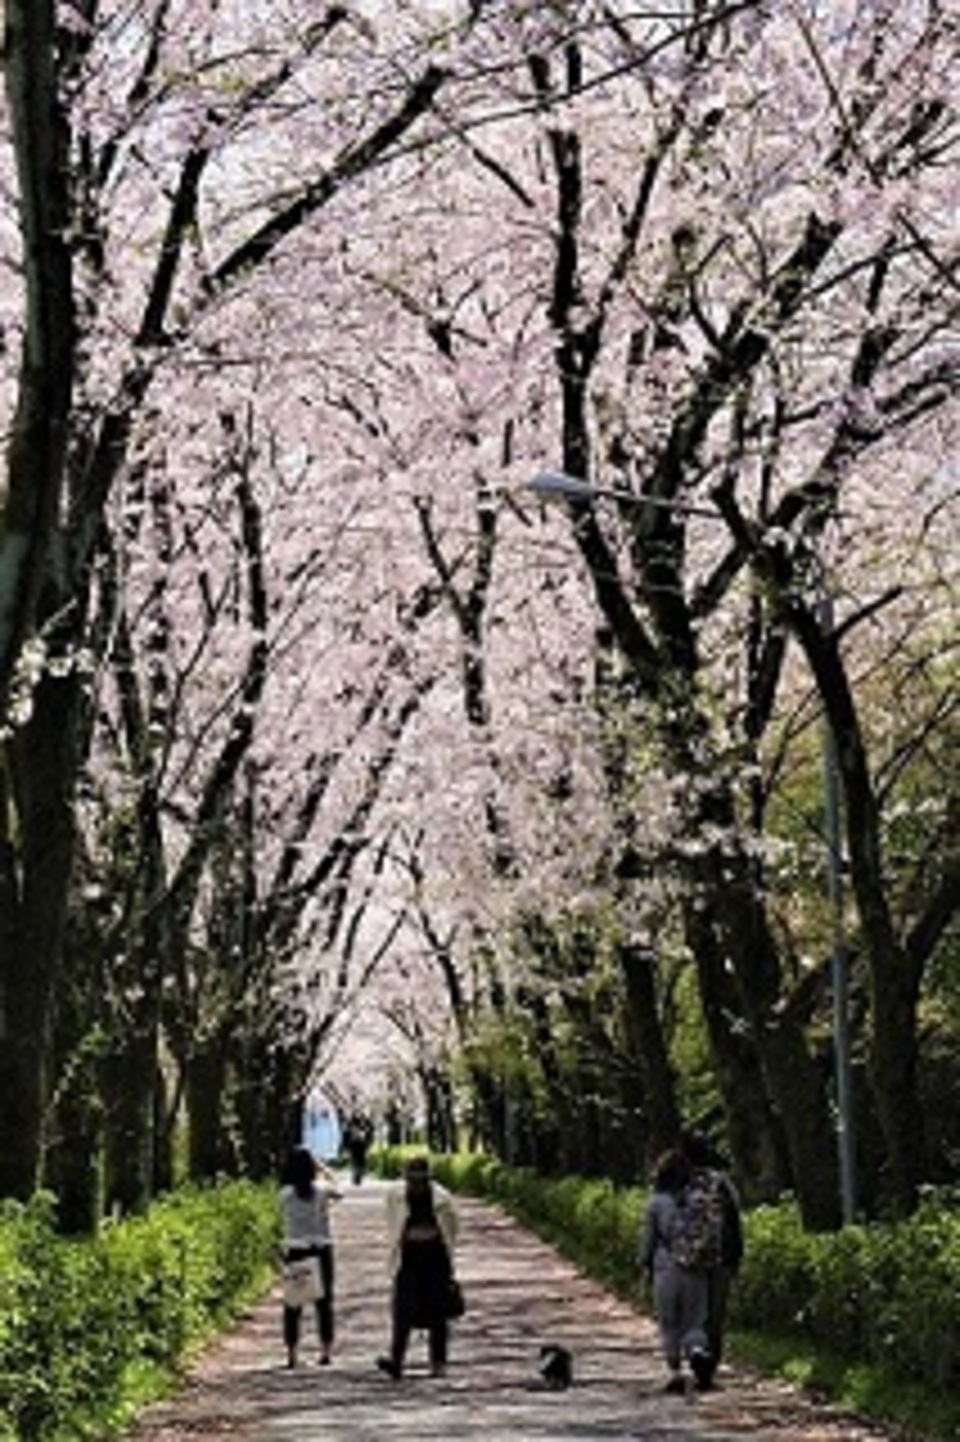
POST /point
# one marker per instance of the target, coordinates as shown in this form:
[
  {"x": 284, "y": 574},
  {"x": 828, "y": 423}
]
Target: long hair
[{"x": 301, "y": 1171}]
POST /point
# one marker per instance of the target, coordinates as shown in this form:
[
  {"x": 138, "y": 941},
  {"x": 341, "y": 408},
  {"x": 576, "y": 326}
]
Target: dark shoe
[
  {"x": 701, "y": 1364},
  {"x": 676, "y": 1387},
  {"x": 388, "y": 1365}
]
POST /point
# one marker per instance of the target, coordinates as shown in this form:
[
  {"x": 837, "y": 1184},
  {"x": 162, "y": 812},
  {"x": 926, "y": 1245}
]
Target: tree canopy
[{"x": 318, "y": 711}]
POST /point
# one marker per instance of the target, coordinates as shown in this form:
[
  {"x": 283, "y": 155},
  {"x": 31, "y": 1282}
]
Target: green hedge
[
  {"x": 884, "y": 1293},
  {"x": 88, "y": 1329}
]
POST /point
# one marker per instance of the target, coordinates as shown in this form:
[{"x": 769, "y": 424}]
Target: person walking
[
  {"x": 680, "y": 1291},
  {"x": 710, "y": 1171},
  {"x": 358, "y": 1136},
  {"x": 422, "y": 1226},
  {"x": 308, "y": 1188}
]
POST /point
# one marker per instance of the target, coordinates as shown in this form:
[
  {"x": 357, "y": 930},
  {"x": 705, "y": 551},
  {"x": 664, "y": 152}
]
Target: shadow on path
[{"x": 520, "y": 1294}]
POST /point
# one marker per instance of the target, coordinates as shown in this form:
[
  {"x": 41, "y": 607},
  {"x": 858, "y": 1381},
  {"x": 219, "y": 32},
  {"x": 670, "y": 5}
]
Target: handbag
[
  {"x": 301, "y": 1282},
  {"x": 456, "y": 1303}
]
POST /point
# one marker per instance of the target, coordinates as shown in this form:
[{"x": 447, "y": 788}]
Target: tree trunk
[
  {"x": 37, "y": 853},
  {"x": 894, "y": 975},
  {"x": 795, "y": 1085},
  {"x": 659, "y": 1097},
  {"x": 165, "y": 1121},
  {"x": 36, "y": 840},
  {"x": 208, "y": 1149},
  {"x": 73, "y": 1168},
  {"x": 550, "y": 1143},
  {"x": 895, "y": 1086},
  {"x": 129, "y": 1091},
  {"x": 268, "y": 1091},
  {"x": 753, "y": 1135},
  {"x": 29, "y": 511}
]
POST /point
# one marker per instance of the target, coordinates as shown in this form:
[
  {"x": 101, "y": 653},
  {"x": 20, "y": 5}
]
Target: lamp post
[
  {"x": 558, "y": 485},
  {"x": 839, "y": 970}
]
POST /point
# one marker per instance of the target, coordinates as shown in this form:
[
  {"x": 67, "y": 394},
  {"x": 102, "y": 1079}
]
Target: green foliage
[
  {"x": 914, "y": 1410},
  {"x": 777, "y": 1273},
  {"x": 881, "y": 1293},
  {"x": 873, "y": 1311},
  {"x": 695, "y": 1078},
  {"x": 86, "y": 1327}
]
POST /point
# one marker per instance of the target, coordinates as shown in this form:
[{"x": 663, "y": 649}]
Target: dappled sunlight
[{"x": 520, "y": 1294}]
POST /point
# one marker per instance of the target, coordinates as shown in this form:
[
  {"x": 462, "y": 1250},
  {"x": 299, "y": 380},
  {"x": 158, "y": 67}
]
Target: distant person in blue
[
  {"x": 306, "y": 1192},
  {"x": 321, "y": 1128}
]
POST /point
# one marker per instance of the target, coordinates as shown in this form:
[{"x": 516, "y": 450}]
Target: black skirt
[{"x": 423, "y": 1283}]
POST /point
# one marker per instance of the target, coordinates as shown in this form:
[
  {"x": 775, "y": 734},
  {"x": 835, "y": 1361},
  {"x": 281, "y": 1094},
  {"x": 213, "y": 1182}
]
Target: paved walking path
[{"x": 520, "y": 1293}]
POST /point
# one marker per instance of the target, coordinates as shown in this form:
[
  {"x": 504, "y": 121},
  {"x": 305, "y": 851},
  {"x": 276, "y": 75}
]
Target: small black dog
[{"x": 556, "y": 1367}]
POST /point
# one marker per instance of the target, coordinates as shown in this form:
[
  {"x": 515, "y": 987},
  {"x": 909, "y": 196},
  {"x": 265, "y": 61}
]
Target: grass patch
[{"x": 916, "y": 1412}]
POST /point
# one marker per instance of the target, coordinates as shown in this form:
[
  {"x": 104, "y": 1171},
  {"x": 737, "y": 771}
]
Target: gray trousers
[
  {"x": 719, "y": 1281},
  {"x": 681, "y": 1299}
]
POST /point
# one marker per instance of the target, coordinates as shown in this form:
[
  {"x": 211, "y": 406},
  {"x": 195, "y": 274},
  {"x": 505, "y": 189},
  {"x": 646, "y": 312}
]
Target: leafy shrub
[
  {"x": 82, "y": 1323},
  {"x": 776, "y": 1279},
  {"x": 884, "y": 1293},
  {"x": 925, "y": 1319}
]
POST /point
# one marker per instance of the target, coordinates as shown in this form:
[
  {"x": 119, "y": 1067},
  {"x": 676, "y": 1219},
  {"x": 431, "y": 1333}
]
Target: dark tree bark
[
  {"x": 210, "y": 1150},
  {"x": 37, "y": 447},
  {"x": 41, "y": 761},
  {"x": 658, "y": 1088},
  {"x": 755, "y": 1140},
  {"x": 38, "y": 767},
  {"x": 128, "y": 1082}
]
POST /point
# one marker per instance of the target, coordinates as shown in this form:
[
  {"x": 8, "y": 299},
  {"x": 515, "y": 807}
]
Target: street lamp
[{"x": 559, "y": 485}]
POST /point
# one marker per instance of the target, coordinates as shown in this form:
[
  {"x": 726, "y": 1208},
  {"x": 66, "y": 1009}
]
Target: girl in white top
[{"x": 305, "y": 1196}]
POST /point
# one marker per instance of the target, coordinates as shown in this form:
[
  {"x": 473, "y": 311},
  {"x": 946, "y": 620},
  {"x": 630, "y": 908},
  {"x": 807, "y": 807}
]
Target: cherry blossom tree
[
  {"x": 735, "y": 387},
  {"x": 696, "y": 257},
  {"x": 746, "y": 320},
  {"x": 132, "y": 129}
]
